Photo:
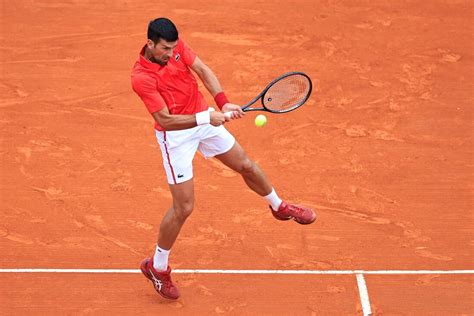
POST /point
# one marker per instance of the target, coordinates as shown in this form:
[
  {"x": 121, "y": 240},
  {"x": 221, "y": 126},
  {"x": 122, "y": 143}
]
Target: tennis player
[{"x": 184, "y": 124}]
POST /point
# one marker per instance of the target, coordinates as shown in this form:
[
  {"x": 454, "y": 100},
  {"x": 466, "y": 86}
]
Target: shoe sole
[
  {"x": 146, "y": 273},
  {"x": 307, "y": 223},
  {"x": 293, "y": 218},
  {"x": 281, "y": 218}
]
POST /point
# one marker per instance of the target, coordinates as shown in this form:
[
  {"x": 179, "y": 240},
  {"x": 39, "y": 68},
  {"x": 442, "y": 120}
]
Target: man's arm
[
  {"x": 213, "y": 85},
  {"x": 172, "y": 122},
  {"x": 207, "y": 76}
]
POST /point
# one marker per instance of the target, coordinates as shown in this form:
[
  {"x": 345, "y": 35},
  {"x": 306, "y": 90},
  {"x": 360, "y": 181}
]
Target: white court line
[
  {"x": 364, "y": 295},
  {"x": 204, "y": 271}
]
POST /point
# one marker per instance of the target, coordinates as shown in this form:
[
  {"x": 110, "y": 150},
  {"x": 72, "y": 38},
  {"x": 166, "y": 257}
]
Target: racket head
[{"x": 287, "y": 92}]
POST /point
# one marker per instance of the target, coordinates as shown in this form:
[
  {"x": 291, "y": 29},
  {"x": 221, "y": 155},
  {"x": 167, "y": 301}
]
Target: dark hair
[{"x": 162, "y": 28}]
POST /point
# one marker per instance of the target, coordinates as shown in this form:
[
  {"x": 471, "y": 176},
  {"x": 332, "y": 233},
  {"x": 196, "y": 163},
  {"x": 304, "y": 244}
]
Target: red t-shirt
[{"x": 172, "y": 85}]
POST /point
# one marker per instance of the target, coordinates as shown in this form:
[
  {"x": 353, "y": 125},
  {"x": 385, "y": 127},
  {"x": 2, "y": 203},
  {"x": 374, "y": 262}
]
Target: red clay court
[{"x": 383, "y": 150}]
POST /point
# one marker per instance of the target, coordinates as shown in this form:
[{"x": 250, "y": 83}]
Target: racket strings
[{"x": 287, "y": 93}]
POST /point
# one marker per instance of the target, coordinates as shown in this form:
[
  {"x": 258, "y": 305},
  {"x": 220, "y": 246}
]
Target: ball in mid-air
[{"x": 260, "y": 120}]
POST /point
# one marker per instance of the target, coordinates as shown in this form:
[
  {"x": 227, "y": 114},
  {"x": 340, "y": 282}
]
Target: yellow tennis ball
[{"x": 260, "y": 120}]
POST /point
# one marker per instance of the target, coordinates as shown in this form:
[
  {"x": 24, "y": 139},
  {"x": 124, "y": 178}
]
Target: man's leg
[
  {"x": 237, "y": 160},
  {"x": 183, "y": 203},
  {"x": 157, "y": 269}
]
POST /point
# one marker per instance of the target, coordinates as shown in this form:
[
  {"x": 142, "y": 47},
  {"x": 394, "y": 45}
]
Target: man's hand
[
  {"x": 218, "y": 118},
  {"x": 236, "y": 111}
]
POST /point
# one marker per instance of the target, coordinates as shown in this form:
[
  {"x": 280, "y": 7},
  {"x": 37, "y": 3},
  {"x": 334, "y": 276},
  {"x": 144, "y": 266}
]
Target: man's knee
[
  {"x": 247, "y": 167},
  {"x": 183, "y": 210}
]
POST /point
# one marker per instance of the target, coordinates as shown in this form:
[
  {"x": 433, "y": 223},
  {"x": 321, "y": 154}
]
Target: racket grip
[{"x": 228, "y": 114}]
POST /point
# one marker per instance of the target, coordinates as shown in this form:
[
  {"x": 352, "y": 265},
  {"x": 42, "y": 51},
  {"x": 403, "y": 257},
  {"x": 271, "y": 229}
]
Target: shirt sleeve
[
  {"x": 188, "y": 54},
  {"x": 145, "y": 87}
]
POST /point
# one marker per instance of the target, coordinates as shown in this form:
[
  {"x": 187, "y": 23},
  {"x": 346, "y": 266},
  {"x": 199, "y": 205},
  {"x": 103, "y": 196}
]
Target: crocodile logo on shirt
[{"x": 177, "y": 57}]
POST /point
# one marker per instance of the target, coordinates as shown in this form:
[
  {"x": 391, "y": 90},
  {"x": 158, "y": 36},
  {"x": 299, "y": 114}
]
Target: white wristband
[{"x": 203, "y": 117}]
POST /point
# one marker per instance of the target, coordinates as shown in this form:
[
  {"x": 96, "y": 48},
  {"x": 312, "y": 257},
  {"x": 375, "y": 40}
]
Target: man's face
[{"x": 162, "y": 51}]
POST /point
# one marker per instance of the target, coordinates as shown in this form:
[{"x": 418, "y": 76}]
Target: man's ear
[{"x": 150, "y": 44}]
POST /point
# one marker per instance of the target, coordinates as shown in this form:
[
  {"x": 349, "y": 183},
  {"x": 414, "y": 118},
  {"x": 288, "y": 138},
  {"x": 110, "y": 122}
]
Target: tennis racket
[{"x": 284, "y": 94}]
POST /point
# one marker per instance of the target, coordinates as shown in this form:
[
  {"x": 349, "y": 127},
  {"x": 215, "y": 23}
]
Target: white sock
[
  {"x": 274, "y": 200},
  {"x": 160, "y": 260}
]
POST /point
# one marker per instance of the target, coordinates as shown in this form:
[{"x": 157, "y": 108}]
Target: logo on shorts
[
  {"x": 180, "y": 175},
  {"x": 177, "y": 57}
]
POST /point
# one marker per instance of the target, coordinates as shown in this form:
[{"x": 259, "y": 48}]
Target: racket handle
[{"x": 228, "y": 114}]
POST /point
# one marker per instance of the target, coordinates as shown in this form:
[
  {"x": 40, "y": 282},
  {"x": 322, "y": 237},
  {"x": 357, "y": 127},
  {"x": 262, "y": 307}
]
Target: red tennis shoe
[
  {"x": 161, "y": 279},
  {"x": 300, "y": 214}
]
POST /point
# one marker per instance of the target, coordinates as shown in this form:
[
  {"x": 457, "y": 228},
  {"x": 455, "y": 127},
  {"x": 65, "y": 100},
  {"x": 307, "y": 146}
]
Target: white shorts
[{"x": 178, "y": 148}]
